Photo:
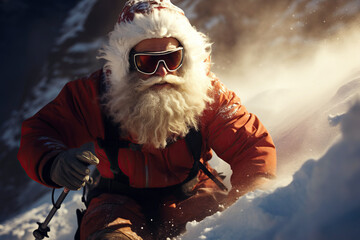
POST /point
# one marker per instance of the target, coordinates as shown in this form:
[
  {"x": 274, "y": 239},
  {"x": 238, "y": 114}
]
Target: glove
[{"x": 70, "y": 168}]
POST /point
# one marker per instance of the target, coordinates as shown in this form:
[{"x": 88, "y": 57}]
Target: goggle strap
[{"x": 158, "y": 53}]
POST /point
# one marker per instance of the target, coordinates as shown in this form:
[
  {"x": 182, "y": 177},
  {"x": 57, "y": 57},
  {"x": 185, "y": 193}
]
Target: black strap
[
  {"x": 111, "y": 142},
  {"x": 111, "y": 145},
  {"x": 194, "y": 143}
]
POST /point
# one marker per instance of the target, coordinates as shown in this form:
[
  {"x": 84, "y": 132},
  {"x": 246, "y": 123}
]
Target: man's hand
[{"x": 70, "y": 168}]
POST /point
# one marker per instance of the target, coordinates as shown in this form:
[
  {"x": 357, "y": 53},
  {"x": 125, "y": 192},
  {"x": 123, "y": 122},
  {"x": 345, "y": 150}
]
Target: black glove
[{"x": 70, "y": 168}]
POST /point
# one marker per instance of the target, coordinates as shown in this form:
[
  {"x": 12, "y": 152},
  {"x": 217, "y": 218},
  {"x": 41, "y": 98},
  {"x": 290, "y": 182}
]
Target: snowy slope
[
  {"x": 296, "y": 68},
  {"x": 62, "y": 226},
  {"x": 321, "y": 202}
]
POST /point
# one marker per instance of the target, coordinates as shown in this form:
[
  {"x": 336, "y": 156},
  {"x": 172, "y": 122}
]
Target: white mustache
[{"x": 146, "y": 84}]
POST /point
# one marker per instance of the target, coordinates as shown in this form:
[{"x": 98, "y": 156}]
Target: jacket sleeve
[
  {"x": 59, "y": 125},
  {"x": 239, "y": 138}
]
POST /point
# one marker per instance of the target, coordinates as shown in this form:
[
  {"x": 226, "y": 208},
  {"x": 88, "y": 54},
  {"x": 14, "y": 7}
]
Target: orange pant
[{"x": 146, "y": 219}]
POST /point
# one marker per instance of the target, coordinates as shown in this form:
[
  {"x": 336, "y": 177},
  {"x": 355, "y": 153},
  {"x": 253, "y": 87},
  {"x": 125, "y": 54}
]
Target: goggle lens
[{"x": 148, "y": 62}]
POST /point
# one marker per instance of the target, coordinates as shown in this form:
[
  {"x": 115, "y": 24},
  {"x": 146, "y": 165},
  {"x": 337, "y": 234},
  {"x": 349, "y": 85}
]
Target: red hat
[
  {"x": 145, "y": 19},
  {"x": 145, "y": 7}
]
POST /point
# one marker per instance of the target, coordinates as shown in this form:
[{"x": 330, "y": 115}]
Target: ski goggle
[{"x": 148, "y": 62}]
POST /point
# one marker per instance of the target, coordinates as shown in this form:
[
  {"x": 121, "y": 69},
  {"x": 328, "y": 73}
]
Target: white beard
[{"x": 156, "y": 116}]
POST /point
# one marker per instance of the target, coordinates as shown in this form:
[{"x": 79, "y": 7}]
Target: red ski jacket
[{"x": 74, "y": 117}]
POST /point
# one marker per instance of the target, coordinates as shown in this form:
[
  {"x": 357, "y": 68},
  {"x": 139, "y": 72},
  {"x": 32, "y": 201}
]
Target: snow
[
  {"x": 62, "y": 226},
  {"x": 214, "y": 21},
  {"x": 85, "y": 46},
  {"x": 304, "y": 103},
  {"x": 189, "y": 8},
  {"x": 349, "y": 8},
  {"x": 47, "y": 89},
  {"x": 313, "y": 5},
  {"x": 42, "y": 93},
  {"x": 76, "y": 20},
  {"x": 321, "y": 202}
]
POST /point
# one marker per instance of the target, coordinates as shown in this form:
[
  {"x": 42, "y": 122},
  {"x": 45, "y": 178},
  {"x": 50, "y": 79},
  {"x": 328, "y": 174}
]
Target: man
[{"x": 148, "y": 120}]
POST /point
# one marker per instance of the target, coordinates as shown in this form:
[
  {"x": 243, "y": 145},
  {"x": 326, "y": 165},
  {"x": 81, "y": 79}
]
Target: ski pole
[{"x": 43, "y": 228}]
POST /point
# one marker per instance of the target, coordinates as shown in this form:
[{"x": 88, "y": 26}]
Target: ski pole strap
[
  {"x": 43, "y": 228},
  {"x": 56, "y": 206}
]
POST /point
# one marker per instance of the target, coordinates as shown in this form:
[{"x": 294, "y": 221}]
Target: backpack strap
[
  {"x": 194, "y": 143},
  {"x": 111, "y": 142}
]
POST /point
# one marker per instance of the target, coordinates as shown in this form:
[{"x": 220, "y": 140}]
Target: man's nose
[{"x": 161, "y": 70}]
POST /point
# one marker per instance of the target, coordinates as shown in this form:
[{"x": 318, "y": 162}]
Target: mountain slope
[{"x": 253, "y": 42}]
